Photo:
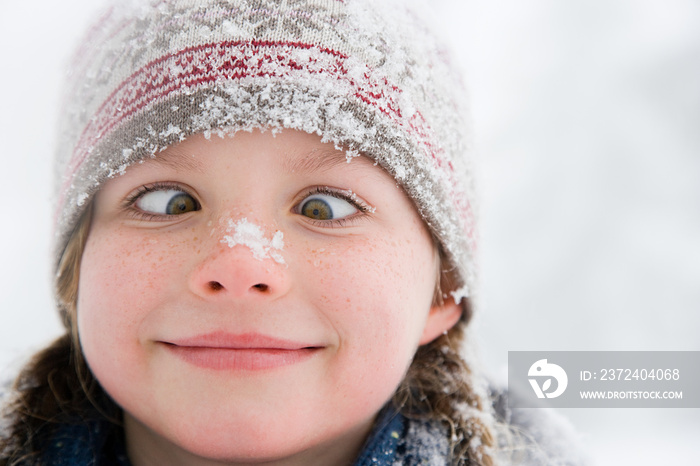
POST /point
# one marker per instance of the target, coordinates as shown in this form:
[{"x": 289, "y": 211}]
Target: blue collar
[
  {"x": 382, "y": 446},
  {"x": 101, "y": 443},
  {"x": 91, "y": 443}
]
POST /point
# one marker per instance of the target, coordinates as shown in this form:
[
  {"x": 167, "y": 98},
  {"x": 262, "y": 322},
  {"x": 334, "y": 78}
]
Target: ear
[{"x": 441, "y": 318}]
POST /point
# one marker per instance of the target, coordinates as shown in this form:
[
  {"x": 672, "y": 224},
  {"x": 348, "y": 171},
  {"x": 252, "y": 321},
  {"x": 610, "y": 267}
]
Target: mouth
[{"x": 245, "y": 352}]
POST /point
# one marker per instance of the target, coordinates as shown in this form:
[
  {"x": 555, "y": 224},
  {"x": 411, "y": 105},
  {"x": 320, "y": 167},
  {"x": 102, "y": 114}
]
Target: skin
[{"x": 358, "y": 290}]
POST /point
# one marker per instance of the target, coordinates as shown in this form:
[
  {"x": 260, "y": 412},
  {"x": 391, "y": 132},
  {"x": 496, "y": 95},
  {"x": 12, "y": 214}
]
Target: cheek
[
  {"x": 121, "y": 280},
  {"x": 377, "y": 295}
]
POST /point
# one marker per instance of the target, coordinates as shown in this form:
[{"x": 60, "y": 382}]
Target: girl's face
[{"x": 254, "y": 298}]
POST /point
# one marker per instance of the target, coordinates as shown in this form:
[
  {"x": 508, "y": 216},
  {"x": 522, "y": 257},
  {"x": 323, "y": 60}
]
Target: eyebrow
[
  {"x": 317, "y": 160},
  {"x": 179, "y": 160}
]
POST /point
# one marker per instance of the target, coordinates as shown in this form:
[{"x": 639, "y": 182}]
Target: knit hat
[{"x": 365, "y": 75}]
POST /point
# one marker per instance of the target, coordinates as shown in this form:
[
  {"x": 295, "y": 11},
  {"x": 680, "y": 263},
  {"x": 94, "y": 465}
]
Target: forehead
[{"x": 295, "y": 152}]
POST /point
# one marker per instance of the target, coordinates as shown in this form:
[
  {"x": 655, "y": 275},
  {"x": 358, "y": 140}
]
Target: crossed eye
[
  {"x": 317, "y": 206},
  {"x": 326, "y": 207},
  {"x": 167, "y": 202}
]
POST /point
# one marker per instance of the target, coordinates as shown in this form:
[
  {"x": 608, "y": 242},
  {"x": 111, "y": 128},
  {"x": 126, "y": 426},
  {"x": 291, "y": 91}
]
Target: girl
[{"x": 264, "y": 245}]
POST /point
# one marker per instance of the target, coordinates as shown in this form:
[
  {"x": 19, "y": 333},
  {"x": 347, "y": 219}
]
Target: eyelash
[
  {"x": 131, "y": 199},
  {"x": 350, "y": 198}
]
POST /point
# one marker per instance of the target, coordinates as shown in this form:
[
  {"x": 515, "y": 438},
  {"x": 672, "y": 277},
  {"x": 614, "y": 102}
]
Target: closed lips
[{"x": 222, "y": 351}]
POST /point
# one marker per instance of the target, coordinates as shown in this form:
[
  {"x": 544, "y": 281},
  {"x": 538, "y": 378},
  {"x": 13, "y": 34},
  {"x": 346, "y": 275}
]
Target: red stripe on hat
[{"x": 233, "y": 60}]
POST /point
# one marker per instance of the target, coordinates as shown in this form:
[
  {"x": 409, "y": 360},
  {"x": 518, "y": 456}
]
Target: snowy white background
[{"x": 587, "y": 116}]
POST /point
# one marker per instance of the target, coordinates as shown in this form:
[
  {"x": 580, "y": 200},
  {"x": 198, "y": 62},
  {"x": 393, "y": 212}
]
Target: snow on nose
[{"x": 252, "y": 236}]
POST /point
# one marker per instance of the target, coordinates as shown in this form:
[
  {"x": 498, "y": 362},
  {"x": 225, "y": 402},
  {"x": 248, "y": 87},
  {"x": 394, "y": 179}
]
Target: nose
[{"x": 235, "y": 272}]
